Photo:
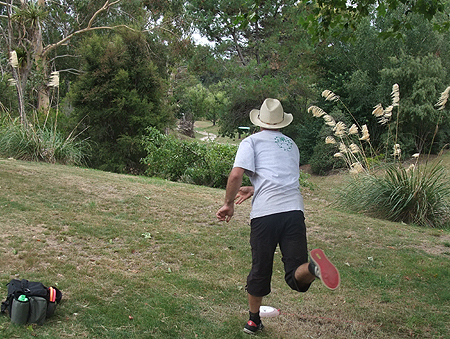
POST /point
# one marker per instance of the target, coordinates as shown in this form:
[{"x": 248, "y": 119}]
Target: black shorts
[{"x": 287, "y": 230}]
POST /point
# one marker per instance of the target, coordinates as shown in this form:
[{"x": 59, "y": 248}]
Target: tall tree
[
  {"x": 118, "y": 95},
  {"x": 325, "y": 15},
  {"x": 259, "y": 55},
  {"x": 26, "y": 23}
]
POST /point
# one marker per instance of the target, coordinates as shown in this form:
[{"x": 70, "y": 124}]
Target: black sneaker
[
  {"x": 252, "y": 328},
  {"x": 324, "y": 269}
]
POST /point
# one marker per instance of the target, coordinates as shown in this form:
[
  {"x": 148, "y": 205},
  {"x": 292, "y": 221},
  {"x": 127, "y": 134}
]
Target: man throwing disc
[{"x": 271, "y": 160}]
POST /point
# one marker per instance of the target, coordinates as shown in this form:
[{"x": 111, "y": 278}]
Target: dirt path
[{"x": 207, "y": 136}]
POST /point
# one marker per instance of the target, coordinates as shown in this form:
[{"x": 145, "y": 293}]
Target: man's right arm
[{"x": 233, "y": 185}]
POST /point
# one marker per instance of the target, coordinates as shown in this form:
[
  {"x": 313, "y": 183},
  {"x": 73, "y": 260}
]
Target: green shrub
[
  {"x": 303, "y": 179},
  {"x": 322, "y": 160},
  {"x": 217, "y": 161},
  {"x": 306, "y": 136},
  {"x": 206, "y": 164}
]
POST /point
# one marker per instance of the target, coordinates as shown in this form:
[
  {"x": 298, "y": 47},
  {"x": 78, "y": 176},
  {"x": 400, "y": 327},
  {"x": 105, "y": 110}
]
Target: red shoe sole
[{"x": 329, "y": 274}]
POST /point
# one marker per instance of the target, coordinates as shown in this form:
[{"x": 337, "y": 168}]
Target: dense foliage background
[{"x": 129, "y": 65}]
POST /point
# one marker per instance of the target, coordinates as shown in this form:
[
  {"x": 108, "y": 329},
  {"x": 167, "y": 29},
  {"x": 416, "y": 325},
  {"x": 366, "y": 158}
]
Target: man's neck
[{"x": 268, "y": 129}]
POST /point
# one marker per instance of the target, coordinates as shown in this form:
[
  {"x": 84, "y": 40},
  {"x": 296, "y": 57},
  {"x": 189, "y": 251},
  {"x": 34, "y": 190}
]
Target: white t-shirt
[{"x": 271, "y": 160}]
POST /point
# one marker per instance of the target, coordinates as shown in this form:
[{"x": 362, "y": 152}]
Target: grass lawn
[{"x": 139, "y": 257}]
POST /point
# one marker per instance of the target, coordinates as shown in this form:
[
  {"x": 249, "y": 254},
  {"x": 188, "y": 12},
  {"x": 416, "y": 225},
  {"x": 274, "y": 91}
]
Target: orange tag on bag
[{"x": 52, "y": 294}]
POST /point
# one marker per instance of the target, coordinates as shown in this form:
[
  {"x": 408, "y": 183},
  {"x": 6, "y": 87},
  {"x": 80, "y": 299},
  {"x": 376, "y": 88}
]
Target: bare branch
[
  {"x": 84, "y": 30},
  {"x": 9, "y": 30},
  {"x": 4, "y": 35},
  {"x": 71, "y": 71},
  {"x": 162, "y": 29},
  {"x": 7, "y": 4},
  {"x": 105, "y": 7},
  {"x": 64, "y": 56},
  {"x": 89, "y": 27}
]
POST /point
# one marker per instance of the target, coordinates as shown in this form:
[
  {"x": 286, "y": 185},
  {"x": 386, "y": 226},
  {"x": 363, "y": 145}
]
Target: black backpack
[{"x": 40, "y": 301}]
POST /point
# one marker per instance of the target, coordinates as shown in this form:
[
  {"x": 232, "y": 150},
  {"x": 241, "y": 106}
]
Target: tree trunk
[
  {"x": 43, "y": 91},
  {"x": 37, "y": 53},
  {"x": 41, "y": 60},
  {"x": 238, "y": 48},
  {"x": 20, "y": 85},
  {"x": 258, "y": 59}
]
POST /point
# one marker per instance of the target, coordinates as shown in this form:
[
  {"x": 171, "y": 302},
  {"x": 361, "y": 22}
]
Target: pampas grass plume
[
  {"x": 365, "y": 133},
  {"x": 395, "y": 95},
  {"x": 443, "y": 99},
  {"x": 387, "y": 114},
  {"x": 330, "y": 140},
  {"x": 378, "y": 111},
  {"x": 353, "y": 129},
  {"x": 316, "y": 111},
  {"x": 54, "y": 80},
  {"x": 329, "y": 120},
  {"x": 354, "y": 148},
  {"x": 343, "y": 148},
  {"x": 397, "y": 151},
  {"x": 340, "y": 129},
  {"x": 330, "y": 96},
  {"x": 13, "y": 60}
]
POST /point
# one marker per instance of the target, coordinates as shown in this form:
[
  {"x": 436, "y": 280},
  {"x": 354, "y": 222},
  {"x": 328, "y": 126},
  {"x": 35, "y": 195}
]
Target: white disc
[{"x": 268, "y": 311}]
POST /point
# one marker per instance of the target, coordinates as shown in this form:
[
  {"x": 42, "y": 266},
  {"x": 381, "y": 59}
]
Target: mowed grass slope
[{"x": 138, "y": 257}]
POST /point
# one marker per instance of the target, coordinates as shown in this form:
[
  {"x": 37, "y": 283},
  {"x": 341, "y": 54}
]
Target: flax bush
[
  {"x": 36, "y": 143},
  {"x": 418, "y": 194}
]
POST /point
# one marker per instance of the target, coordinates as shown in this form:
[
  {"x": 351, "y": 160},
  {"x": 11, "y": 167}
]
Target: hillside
[{"x": 139, "y": 257}]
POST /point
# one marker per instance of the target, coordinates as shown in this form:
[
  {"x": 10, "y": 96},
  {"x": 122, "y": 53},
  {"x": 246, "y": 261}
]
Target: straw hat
[{"x": 271, "y": 115}]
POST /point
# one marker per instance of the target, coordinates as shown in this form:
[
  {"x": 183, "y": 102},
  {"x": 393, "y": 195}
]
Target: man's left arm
[{"x": 245, "y": 192}]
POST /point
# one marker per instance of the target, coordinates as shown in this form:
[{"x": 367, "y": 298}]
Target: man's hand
[
  {"x": 233, "y": 184},
  {"x": 244, "y": 193},
  {"x": 225, "y": 213}
]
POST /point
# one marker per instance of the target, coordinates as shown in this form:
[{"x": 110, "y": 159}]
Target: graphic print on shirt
[{"x": 284, "y": 143}]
